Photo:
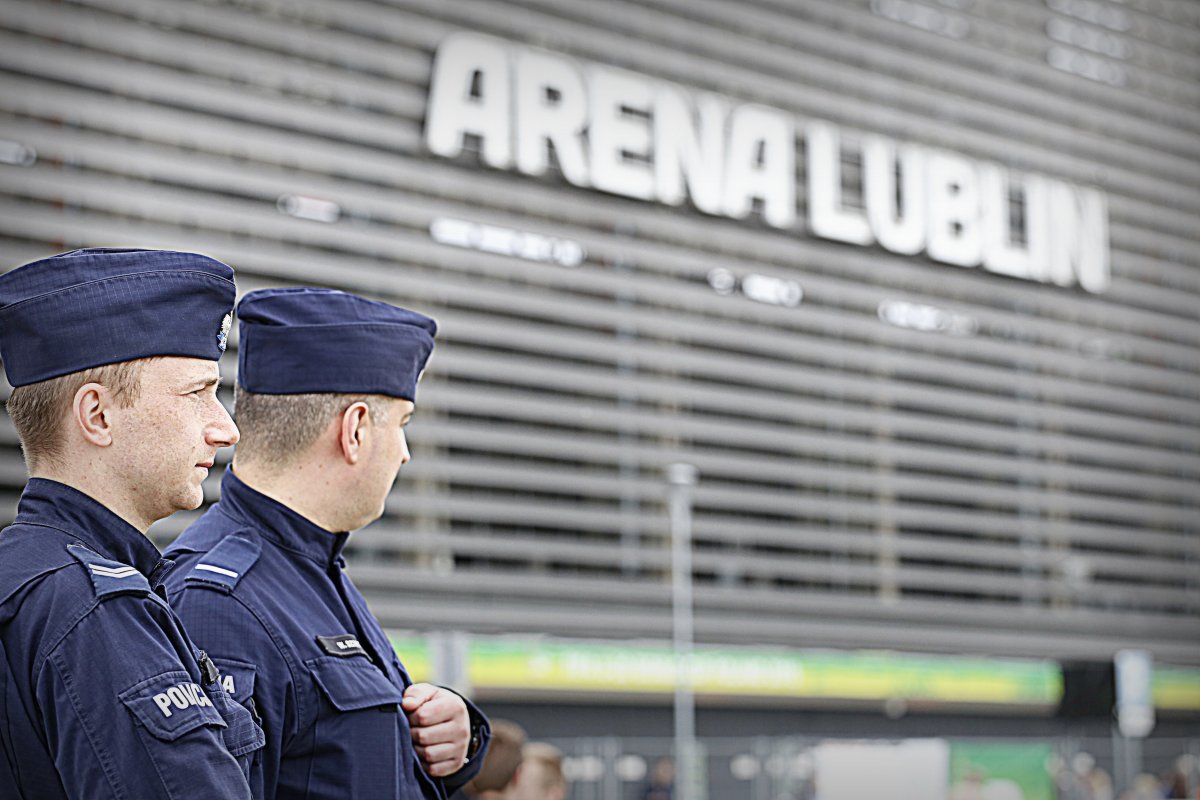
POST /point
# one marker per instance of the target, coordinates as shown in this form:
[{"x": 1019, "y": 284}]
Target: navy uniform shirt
[
  {"x": 263, "y": 589},
  {"x": 102, "y": 693}
]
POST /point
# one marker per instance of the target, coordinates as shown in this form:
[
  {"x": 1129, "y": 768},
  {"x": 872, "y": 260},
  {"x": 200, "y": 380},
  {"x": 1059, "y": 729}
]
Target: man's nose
[{"x": 223, "y": 432}]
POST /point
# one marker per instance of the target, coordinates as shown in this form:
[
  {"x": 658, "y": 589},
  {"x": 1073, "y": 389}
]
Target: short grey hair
[{"x": 277, "y": 428}]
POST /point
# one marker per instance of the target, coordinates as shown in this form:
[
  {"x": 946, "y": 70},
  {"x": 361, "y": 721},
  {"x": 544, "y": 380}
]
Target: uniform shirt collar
[
  {"x": 48, "y": 502},
  {"x": 280, "y": 524}
]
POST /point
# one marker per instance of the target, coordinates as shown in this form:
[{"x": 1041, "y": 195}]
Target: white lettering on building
[{"x": 624, "y": 133}]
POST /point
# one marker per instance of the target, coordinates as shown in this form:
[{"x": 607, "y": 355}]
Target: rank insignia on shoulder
[
  {"x": 109, "y": 577},
  {"x": 226, "y": 563}
]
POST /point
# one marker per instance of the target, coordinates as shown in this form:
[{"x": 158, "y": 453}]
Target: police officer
[
  {"x": 113, "y": 356},
  {"x": 326, "y": 384}
]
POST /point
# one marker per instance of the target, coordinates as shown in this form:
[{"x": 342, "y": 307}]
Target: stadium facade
[{"x": 914, "y": 285}]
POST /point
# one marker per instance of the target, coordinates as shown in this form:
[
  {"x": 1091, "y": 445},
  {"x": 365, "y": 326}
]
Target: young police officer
[
  {"x": 113, "y": 354},
  {"x": 326, "y": 384}
]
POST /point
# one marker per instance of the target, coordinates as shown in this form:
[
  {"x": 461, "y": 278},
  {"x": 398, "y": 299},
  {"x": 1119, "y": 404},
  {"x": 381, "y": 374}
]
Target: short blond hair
[{"x": 37, "y": 409}]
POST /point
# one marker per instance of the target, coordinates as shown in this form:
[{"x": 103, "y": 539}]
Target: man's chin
[{"x": 190, "y": 500}]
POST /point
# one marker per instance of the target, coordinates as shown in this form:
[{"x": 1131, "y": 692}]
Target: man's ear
[
  {"x": 353, "y": 431},
  {"x": 91, "y": 410}
]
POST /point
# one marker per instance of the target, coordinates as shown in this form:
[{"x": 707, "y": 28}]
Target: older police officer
[
  {"x": 326, "y": 384},
  {"x": 113, "y": 356}
]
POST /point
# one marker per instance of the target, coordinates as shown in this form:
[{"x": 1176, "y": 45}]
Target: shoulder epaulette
[
  {"x": 109, "y": 577},
  {"x": 226, "y": 563}
]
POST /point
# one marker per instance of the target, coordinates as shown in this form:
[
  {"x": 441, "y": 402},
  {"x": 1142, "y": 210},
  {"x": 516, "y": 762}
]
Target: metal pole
[{"x": 681, "y": 478}]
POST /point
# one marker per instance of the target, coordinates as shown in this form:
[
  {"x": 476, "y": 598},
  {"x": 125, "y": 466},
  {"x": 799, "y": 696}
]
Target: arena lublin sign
[{"x": 632, "y": 135}]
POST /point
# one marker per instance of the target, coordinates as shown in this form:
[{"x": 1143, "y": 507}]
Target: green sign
[
  {"x": 414, "y": 655},
  {"x": 728, "y": 672},
  {"x": 1176, "y": 688},
  {"x": 1017, "y": 771},
  {"x": 560, "y": 665}
]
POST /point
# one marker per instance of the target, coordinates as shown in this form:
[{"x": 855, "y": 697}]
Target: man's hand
[{"x": 441, "y": 727}]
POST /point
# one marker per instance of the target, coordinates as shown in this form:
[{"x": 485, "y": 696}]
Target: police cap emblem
[{"x": 223, "y": 334}]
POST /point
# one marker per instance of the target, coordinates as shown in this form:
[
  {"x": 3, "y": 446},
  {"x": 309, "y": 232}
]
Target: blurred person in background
[
  {"x": 541, "y": 774},
  {"x": 1074, "y": 777},
  {"x": 326, "y": 385},
  {"x": 1145, "y": 787},
  {"x": 661, "y": 783},
  {"x": 1100, "y": 784},
  {"x": 1175, "y": 781},
  {"x": 498, "y": 774}
]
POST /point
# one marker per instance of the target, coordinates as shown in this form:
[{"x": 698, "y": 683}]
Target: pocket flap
[
  {"x": 242, "y": 734},
  {"x": 353, "y": 684},
  {"x": 170, "y": 705}
]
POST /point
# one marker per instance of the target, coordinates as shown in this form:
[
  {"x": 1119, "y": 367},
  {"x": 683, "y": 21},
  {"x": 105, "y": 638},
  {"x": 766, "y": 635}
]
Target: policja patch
[
  {"x": 171, "y": 704},
  {"x": 181, "y": 695},
  {"x": 237, "y": 678}
]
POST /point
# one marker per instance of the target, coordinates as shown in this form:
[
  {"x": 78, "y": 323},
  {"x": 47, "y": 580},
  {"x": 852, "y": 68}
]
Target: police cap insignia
[{"x": 223, "y": 334}]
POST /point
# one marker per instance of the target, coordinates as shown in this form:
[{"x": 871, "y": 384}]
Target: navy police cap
[
  {"x": 309, "y": 340},
  {"x": 92, "y": 307}
]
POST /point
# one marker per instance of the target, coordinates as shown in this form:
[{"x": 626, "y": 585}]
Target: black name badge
[{"x": 344, "y": 645}]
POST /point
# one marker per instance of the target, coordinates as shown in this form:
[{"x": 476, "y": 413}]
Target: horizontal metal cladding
[{"x": 1025, "y": 483}]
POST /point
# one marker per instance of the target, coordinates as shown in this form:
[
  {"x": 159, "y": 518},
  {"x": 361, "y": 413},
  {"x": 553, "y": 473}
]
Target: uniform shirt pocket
[
  {"x": 171, "y": 704},
  {"x": 352, "y": 685},
  {"x": 360, "y": 735}
]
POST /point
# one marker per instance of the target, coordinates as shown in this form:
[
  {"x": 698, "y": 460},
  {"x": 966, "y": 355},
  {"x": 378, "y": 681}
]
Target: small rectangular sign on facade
[{"x": 1135, "y": 701}]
